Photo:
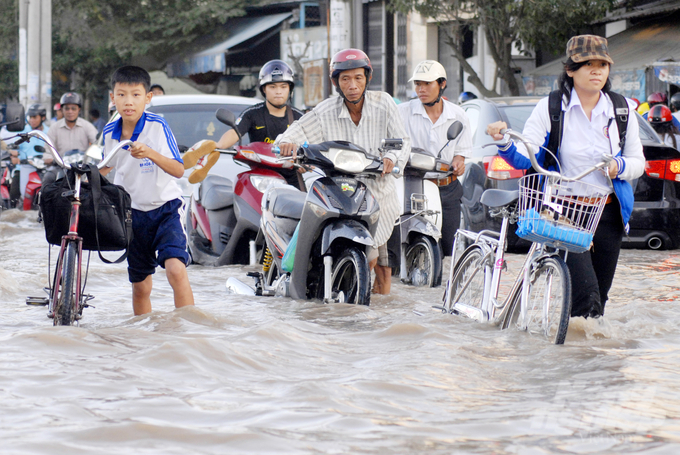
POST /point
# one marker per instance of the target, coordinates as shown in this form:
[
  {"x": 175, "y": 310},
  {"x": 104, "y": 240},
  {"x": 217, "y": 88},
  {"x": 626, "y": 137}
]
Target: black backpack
[{"x": 557, "y": 122}]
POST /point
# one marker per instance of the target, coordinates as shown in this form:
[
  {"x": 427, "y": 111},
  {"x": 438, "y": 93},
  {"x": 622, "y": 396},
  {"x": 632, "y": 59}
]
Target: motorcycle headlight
[
  {"x": 37, "y": 163},
  {"x": 73, "y": 159},
  {"x": 261, "y": 182},
  {"x": 421, "y": 161},
  {"x": 349, "y": 161}
]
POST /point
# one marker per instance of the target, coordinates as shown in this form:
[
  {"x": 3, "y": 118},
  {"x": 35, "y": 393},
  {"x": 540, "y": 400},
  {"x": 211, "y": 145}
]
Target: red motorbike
[
  {"x": 30, "y": 199},
  {"x": 223, "y": 219}
]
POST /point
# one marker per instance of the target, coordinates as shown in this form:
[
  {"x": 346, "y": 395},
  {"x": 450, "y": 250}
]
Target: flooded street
[{"x": 255, "y": 375}]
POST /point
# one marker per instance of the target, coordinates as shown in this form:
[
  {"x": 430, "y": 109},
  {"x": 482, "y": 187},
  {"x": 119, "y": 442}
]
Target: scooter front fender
[
  {"x": 351, "y": 230},
  {"x": 418, "y": 224}
]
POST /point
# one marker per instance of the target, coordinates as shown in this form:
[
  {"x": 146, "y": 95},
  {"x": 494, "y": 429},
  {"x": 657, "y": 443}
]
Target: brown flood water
[{"x": 263, "y": 375}]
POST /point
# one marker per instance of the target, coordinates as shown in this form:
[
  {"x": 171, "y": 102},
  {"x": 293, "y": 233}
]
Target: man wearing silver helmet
[
  {"x": 427, "y": 119},
  {"x": 263, "y": 122}
]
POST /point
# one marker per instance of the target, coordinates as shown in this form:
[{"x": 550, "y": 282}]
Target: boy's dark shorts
[{"x": 158, "y": 236}]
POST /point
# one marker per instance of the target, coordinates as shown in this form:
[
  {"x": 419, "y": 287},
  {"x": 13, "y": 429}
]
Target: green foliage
[
  {"x": 9, "y": 35},
  {"x": 91, "y": 38},
  {"x": 544, "y": 24}
]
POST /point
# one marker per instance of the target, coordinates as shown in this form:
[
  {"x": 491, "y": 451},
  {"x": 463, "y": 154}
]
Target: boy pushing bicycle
[{"x": 149, "y": 172}]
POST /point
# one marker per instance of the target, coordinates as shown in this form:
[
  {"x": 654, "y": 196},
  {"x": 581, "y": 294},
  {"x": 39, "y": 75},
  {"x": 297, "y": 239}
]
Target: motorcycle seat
[
  {"x": 216, "y": 192},
  {"x": 287, "y": 202}
]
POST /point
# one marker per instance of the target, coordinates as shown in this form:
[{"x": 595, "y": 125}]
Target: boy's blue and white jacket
[
  {"x": 149, "y": 186},
  {"x": 589, "y": 142}
]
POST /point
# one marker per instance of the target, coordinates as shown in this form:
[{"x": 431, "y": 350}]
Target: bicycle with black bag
[{"x": 79, "y": 215}]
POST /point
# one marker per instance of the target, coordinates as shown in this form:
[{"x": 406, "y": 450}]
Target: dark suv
[{"x": 655, "y": 222}]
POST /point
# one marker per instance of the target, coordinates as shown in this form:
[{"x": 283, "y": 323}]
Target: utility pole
[{"x": 35, "y": 53}]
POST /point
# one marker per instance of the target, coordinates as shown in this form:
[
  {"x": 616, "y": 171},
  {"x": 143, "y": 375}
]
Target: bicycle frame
[
  {"x": 538, "y": 263},
  {"x": 72, "y": 237}
]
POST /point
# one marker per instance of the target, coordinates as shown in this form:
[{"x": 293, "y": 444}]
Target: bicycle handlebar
[
  {"x": 57, "y": 157},
  {"x": 510, "y": 134}
]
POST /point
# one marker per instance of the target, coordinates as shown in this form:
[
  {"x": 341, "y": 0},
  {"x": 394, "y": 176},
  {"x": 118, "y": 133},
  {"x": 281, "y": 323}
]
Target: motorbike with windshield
[{"x": 315, "y": 242}]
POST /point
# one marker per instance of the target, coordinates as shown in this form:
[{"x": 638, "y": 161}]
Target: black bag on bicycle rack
[{"x": 105, "y": 213}]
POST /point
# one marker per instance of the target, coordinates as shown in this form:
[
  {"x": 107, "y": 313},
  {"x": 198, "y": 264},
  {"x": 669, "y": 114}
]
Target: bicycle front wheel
[
  {"x": 549, "y": 302},
  {"x": 467, "y": 286},
  {"x": 66, "y": 307}
]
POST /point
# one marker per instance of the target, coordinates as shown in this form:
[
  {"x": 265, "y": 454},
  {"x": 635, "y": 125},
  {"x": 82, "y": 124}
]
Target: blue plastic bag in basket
[{"x": 531, "y": 226}]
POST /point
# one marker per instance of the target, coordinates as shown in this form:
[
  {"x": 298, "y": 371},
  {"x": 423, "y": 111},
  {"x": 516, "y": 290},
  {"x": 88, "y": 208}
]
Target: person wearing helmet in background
[
  {"x": 427, "y": 120},
  {"x": 36, "y": 115},
  {"x": 363, "y": 118},
  {"x": 675, "y": 105},
  {"x": 58, "y": 114},
  {"x": 643, "y": 108},
  {"x": 656, "y": 99},
  {"x": 71, "y": 132},
  {"x": 262, "y": 122},
  {"x": 466, "y": 96},
  {"x": 661, "y": 119}
]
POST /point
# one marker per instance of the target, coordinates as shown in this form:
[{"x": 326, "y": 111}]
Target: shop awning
[
  {"x": 634, "y": 51},
  {"x": 638, "y": 47},
  {"x": 214, "y": 59}
]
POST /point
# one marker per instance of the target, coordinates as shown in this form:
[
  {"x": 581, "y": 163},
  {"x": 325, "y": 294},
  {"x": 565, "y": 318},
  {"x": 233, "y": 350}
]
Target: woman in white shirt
[{"x": 589, "y": 130}]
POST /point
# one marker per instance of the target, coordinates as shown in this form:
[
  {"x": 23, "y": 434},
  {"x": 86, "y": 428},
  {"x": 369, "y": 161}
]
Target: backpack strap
[
  {"x": 556, "y": 125},
  {"x": 621, "y": 113}
]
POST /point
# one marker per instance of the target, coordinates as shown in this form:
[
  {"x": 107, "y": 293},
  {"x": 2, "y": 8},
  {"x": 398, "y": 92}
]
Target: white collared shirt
[
  {"x": 330, "y": 121},
  {"x": 588, "y": 139},
  {"x": 584, "y": 141},
  {"x": 149, "y": 186},
  {"x": 431, "y": 137}
]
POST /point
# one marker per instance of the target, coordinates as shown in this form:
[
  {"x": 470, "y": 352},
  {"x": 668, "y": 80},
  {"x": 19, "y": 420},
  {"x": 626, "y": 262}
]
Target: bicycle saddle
[{"x": 499, "y": 198}]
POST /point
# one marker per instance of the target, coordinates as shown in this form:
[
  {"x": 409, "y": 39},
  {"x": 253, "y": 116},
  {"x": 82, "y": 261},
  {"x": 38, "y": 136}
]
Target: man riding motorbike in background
[
  {"x": 36, "y": 115},
  {"x": 71, "y": 132},
  {"x": 363, "y": 118},
  {"x": 262, "y": 122}
]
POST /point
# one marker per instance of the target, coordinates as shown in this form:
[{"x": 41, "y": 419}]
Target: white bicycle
[{"x": 556, "y": 213}]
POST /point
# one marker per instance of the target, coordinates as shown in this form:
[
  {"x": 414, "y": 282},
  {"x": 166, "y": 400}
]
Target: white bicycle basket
[{"x": 559, "y": 213}]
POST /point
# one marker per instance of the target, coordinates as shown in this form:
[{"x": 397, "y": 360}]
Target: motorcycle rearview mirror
[
  {"x": 451, "y": 134},
  {"x": 454, "y": 130},
  {"x": 228, "y": 118},
  {"x": 15, "y": 117}
]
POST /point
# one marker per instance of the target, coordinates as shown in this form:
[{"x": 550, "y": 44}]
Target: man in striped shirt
[{"x": 363, "y": 118}]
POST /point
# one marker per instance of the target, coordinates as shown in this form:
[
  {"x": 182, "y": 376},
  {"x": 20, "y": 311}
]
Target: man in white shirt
[
  {"x": 427, "y": 120},
  {"x": 72, "y": 132},
  {"x": 363, "y": 118}
]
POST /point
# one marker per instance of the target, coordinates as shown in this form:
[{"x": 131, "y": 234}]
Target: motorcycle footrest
[{"x": 37, "y": 301}]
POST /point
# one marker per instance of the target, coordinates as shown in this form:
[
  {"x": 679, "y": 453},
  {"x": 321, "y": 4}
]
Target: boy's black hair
[
  {"x": 157, "y": 86},
  {"x": 131, "y": 75}
]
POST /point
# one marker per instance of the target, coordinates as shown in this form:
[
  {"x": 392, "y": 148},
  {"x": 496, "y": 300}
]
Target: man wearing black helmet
[
  {"x": 675, "y": 105},
  {"x": 363, "y": 118},
  {"x": 36, "y": 114},
  {"x": 71, "y": 132},
  {"x": 263, "y": 122}
]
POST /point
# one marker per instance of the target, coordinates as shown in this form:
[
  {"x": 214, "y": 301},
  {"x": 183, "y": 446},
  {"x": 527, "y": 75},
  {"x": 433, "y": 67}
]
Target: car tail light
[
  {"x": 663, "y": 169},
  {"x": 498, "y": 169}
]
